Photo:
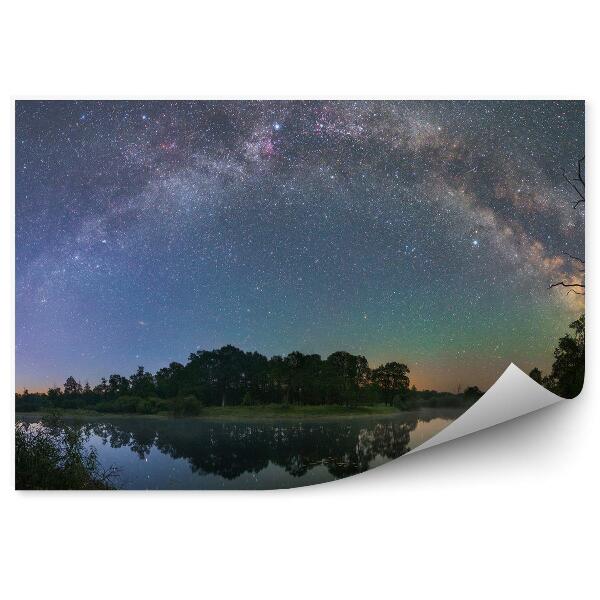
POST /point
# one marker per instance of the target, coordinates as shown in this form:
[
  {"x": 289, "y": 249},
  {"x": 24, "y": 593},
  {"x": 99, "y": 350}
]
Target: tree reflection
[{"x": 231, "y": 449}]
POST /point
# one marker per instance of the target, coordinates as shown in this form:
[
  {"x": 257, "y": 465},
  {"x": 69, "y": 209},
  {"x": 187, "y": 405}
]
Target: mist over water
[{"x": 169, "y": 453}]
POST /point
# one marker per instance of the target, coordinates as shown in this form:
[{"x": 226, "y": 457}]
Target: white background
[{"x": 507, "y": 513}]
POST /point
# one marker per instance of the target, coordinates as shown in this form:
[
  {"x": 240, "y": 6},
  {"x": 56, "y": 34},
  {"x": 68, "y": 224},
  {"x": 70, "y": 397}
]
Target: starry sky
[{"x": 424, "y": 232}]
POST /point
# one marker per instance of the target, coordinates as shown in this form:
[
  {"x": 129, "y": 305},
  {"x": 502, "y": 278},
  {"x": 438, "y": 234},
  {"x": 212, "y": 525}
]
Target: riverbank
[
  {"x": 231, "y": 413},
  {"x": 56, "y": 458}
]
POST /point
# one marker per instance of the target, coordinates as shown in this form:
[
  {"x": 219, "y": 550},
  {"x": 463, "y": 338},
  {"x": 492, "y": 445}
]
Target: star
[{"x": 278, "y": 226}]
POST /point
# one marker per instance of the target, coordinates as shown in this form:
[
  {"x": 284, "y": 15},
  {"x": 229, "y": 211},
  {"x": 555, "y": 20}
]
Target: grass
[
  {"x": 294, "y": 411},
  {"x": 268, "y": 411}
]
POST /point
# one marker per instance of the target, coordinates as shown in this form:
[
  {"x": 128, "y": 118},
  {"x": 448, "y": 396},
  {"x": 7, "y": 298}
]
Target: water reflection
[{"x": 198, "y": 454}]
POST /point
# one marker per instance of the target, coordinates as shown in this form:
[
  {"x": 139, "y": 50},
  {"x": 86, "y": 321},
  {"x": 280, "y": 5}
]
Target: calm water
[{"x": 161, "y": 453}]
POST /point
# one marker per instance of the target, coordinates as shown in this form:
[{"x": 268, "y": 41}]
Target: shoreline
[
  {"x": 262, "y": 414},
  {"x": 234, "y": 413}
]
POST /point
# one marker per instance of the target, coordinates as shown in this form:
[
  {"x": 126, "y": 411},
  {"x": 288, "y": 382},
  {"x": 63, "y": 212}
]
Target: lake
[{"x": 179, "y": 453}]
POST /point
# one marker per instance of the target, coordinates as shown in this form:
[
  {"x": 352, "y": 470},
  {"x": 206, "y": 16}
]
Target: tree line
[{"x": 229, "y": 376}]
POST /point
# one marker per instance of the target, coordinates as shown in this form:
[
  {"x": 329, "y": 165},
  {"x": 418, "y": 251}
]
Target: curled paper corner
[{"x": 514, "y": 394}]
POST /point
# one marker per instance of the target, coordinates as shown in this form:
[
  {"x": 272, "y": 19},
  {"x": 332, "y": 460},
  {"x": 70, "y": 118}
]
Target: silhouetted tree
[
  {"x": 118, "y": 385},
  {"x": 536, "y": 375},
  {"x": 142, "y": 383},
  {"x": 72, "y": 387},
  {"x": 473, "y": 392},
  {"x": 350, "y": 372},
  {"x": 54, "y": 394},
  {"x": 568, "y": 370},
  {"x": 392, "y": 379},
  {"x": 101, "y": 390},
  {"x": 169, "y": 380}
]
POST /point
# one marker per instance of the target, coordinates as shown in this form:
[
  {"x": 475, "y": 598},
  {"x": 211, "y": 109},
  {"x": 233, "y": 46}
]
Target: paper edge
[{"x": 514, "y": 394}]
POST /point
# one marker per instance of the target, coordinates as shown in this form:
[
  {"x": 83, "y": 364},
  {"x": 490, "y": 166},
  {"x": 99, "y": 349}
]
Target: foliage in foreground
[
  {"x": 53, "y": 457},
  {"x": 568, "y": 370}
]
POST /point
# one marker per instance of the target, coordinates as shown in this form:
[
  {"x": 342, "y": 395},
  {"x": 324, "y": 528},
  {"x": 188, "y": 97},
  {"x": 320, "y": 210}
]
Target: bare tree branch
[
  {"x": 567, "y": 285},
  {"x": 577, "y": 180},
  {"x": 578, "y": 184},
  {"x": 579, "y": 163},
  {"x": 575, "y": 258}
]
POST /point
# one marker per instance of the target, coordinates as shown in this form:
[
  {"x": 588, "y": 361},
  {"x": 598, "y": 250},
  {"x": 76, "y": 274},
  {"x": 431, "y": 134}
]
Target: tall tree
[
  {"x": 568, "y": 370},
  {"x": 227, "y": 370},
  {"x": 392, "y": 379},
  {"x": 117, "y": 385},
  {"x": 142, "y": 383},
  {"x": 351, "y": 372},
  {"x": 102, "y": 388},
  {"x": 72, "y": 387},
  {"x": 169, "y": 380}
]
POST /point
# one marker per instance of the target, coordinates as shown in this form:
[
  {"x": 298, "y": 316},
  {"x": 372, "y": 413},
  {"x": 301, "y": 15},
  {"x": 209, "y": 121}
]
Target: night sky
[{"x": 423, "y": 232}]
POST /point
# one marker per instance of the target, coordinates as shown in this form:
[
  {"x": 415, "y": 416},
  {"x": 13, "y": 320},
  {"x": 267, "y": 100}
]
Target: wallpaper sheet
[{"x": 270, "y": 294}]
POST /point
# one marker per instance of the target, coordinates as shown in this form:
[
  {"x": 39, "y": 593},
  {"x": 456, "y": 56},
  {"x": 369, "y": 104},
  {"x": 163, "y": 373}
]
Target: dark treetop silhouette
[{"x": 229, "y": 376}]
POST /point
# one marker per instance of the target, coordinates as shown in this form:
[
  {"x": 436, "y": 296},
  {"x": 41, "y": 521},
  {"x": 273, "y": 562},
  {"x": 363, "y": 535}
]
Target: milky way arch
[{"x": 422, "y": 231}]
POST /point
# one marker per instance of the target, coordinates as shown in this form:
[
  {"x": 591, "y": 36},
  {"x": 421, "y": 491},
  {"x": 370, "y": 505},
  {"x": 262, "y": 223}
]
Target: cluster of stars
[{"x": 421, "y": 231}]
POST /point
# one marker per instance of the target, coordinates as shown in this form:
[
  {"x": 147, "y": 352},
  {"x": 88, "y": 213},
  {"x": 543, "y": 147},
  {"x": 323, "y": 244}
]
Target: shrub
[
  {"x": 53, "y": 457},
  {"x": 146, "y": 406},
  {"x": 187, "y": 406},
  {"x": 31, "y": 403},
  {"x": 127, "y": 404},
  {"x": 164, "y": 404}
]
